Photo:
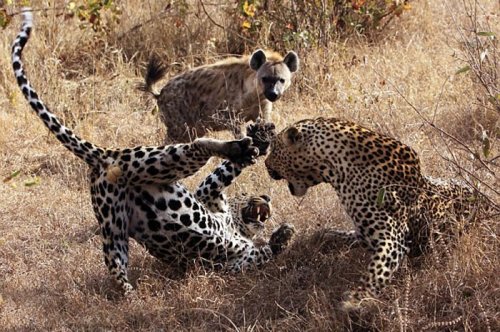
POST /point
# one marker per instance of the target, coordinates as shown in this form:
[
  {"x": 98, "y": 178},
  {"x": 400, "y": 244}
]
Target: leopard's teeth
[{"x": 264, "y": 216}]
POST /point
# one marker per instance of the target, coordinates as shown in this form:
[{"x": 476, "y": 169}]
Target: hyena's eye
[
  {"x": 267, "y": 79},
  {"x": 282, "y": 80}
]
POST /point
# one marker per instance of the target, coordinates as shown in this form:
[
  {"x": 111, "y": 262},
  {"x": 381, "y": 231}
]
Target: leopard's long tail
[{"x": 87, "y": 151}]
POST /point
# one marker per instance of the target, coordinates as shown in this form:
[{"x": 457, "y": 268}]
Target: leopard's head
[
  {"x": 297, "y": 156},
  {"x": 250, "y": 214}
]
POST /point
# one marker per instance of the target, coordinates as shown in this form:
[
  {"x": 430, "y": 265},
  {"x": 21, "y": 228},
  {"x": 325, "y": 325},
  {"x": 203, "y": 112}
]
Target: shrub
[
  {"x": 96, "y": 14},
  {"x": 295, "y": 24}
]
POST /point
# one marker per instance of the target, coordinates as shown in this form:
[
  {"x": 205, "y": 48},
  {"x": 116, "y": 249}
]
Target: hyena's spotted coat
[{"x": 221, "y": 95}]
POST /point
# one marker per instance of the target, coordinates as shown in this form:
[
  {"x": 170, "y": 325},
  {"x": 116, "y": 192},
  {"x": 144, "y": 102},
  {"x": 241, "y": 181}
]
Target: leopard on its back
[{"x": 136, "y": 193}]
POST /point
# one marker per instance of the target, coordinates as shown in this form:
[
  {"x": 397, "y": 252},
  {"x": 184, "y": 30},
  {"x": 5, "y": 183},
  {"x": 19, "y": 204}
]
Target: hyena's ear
[
  {"x": 258, "y": 59},
  {"x": 292, "y": 136},
  {"x": 291, "y": 60}
]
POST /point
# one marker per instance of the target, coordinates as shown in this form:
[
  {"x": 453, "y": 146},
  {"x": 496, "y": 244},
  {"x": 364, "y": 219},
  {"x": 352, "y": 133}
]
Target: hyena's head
[{"x": 274, "y": 74}]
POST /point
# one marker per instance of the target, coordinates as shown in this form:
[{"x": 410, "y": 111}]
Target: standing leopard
[
  {"x": 395, "y": 209},
  {"x": 136, "y": 194},
  {"x": 219, "y": 96}
]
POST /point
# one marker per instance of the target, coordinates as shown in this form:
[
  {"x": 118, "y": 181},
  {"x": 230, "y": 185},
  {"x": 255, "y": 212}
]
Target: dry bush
[
  {"x": 303, "y": 25},
  {"x": 52, "y": 275},
  {"x": 473, "y": 131}
]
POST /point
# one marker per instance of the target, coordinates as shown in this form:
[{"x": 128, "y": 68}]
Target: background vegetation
[{"x": 425, "y": 72}]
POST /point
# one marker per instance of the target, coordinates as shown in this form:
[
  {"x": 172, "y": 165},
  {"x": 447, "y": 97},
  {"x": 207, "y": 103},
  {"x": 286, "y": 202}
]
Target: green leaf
[
  {"x": 4, "y": 18},
  {"x": 486, "y": 34},
  {"x": 381, "y": 197},
  {"x": 12, "y": 175},
  {"x": 32, "y": 182},
  {"x": 463, "y": 70},
  {"x": 494, "y": 100}
]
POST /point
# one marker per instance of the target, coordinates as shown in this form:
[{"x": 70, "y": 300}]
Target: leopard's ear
[{"x": 292, "y": 136}]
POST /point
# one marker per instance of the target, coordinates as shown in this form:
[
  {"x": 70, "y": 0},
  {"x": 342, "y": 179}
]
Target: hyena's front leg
[{"x": 266, "y": 110}]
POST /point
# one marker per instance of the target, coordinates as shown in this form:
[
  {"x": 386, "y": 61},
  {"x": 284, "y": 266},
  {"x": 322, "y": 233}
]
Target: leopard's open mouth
[{"x": 258, "y": 210}]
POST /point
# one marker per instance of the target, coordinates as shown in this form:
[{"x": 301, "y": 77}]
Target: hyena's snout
[
  {"x": 274, "y": 90},
  {"x": 271, "y": 95}
]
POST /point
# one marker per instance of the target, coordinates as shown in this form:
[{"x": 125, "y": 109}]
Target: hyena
[{"x": 220, "y": 96}]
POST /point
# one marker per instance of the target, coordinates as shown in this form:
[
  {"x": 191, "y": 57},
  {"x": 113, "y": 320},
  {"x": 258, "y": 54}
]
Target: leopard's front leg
[
  {"x": 210, "y": 191},
  {"x": 253, "y": 256},
  {"x": 388, "y": 248},
  {"x": 348, "y": 238},
  {"x": 237, "y": 151},
  {"x": 168, "y": 164}
]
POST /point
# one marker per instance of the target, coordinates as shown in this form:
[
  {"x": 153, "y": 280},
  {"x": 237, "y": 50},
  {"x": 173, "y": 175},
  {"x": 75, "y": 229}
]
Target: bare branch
[
  {"x": 251, "y": 42},
  {"x": 434, "y": 126}
]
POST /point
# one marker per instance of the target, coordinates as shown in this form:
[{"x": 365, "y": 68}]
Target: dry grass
[{"x": 52, "y": 275}]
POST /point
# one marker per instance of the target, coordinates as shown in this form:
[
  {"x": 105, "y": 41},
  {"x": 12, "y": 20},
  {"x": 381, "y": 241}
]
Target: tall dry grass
[{"x": 52, "y": 275}]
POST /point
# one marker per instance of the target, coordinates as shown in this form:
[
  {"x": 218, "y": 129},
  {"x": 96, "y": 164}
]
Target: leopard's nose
[{"x": 274, "y": 175}]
